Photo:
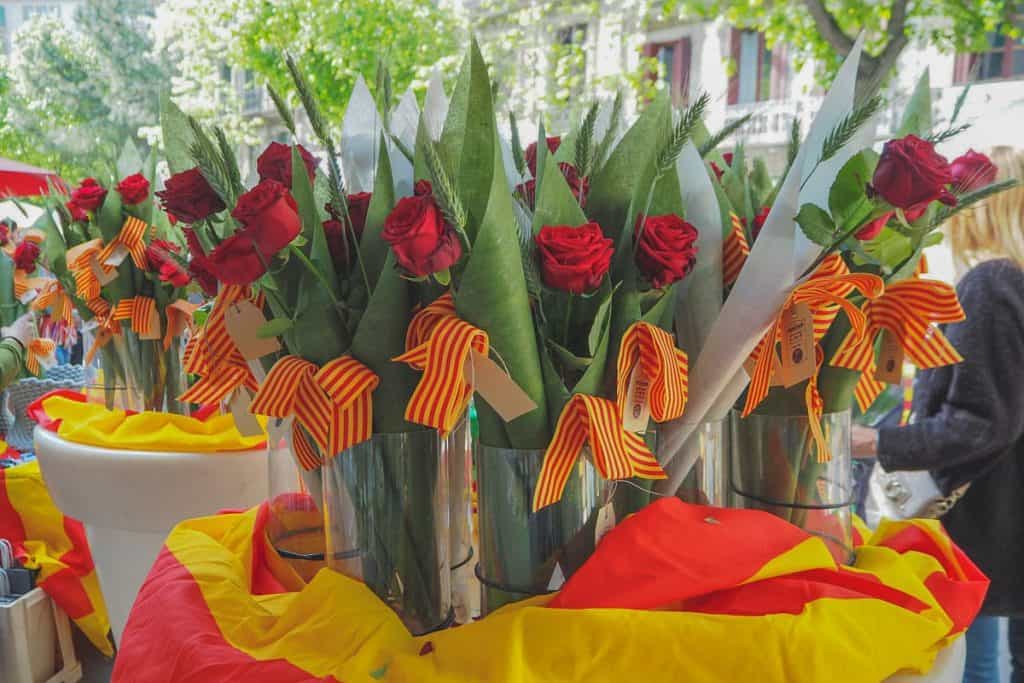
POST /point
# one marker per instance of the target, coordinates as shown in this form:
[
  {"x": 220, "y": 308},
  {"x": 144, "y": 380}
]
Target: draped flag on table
[
  {"x": 46, "y": 540},
  {"x": 753, "y": 595}
]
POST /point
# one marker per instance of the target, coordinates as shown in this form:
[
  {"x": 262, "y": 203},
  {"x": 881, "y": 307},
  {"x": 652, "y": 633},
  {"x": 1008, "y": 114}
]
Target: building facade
[{"x": 14, "y": 13}]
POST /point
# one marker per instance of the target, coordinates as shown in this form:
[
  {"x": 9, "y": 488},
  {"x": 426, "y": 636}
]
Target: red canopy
[{"x": 21, "y": 180}]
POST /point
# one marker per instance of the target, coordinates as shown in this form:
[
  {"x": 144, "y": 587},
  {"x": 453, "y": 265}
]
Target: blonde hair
[{"x": 993, "y": 228}]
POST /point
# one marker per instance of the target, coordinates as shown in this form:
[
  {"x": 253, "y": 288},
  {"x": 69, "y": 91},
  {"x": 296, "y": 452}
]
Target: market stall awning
[{"x": 21, "y": 180}]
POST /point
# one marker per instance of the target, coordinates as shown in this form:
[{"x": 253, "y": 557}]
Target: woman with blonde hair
[{"x": 967, "y": 428}]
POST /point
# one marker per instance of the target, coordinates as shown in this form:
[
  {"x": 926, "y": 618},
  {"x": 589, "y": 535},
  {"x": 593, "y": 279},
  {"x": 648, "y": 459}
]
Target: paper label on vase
[
  {"x": 28, "y": 297},
  {"x": 890, "y": 359},
  {"x": 797, "y": 347},
  {"x": 749, "y": 365},
  {"x": 102, "y": 275},
  {"x": 557, "y": 579},
  {"x": 245, "y": 421},
  {"x": 117, "y": 256},
  {"x": 243, "y": 320},
  {"x": 605, "y": 522},
  {"x": 636, "y": 413},
  {"x": 152, "y": 329},
  {"x": 495, "y": 386}
]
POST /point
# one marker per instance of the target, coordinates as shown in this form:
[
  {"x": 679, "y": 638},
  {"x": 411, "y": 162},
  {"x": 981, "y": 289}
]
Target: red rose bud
[
  {"x": 727, "y": 156},
  {"x": 759, "y": 220},
  {"x": 666, "y": 249},
  {"x": 189, "y": 197},
  {"x": 423, "y": 243},
  {"x": 159, "y": 252},
  {"x": 580, "y": 187},
  {"x": 358, "y": 207},
  {"x": 269, "y": 216},
  {"x": 77, "y": 212},
  {"x": 573, "y": 259},
  {"x": 553, "y": 142},
  {"x": 89, "y": 195},
  {"x": 422, "y": 187},
  {"x": 911, "y": 172},
  {"x": 133, "y": 190},
  {"x": 25, "y": 257},
  {"x": 871, "y": 230},
  {"x": 199, "y": 264},
  {"x": 235, "y": 261},
  {"x": 972, "y": 171},
  {"x": 718, "y": 172},
  {"x": 276, "y": 163}
]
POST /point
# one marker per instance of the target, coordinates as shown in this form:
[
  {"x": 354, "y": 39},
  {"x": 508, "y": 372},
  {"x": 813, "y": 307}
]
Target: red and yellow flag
[{"x": 46, "y": 540}]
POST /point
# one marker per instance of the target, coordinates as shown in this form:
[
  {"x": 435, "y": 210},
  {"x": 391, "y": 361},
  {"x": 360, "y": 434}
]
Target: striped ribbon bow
[
  {"x": 824, "y": 292},
  {"x": 132, "y": 240},
  {"x": 81, "y": 260},
  {"x": 23, "y": 284},
  {"x": 910, "y": 310},
  {"x": 617, "y": 454},
  {"x": 662, "y": 364},
  {"x": 39, "y": 352},
  {"x": 212, "y": 355},
  {"x": 333, "y": 404},
  {"x": 53, "y": 296},
  {"x": 734, "y": 252},
  {"x": 141, "y": 312},
  {"x": 439, "y": 344},
  {"x": 179, "y": 319}
]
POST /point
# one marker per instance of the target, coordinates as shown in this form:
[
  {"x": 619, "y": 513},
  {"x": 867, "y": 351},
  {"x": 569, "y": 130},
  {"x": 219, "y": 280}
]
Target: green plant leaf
[
  {"x": 847, "y": 199},
  {"x": 567, "y": 358},
  {"x": 130, "y": 161},
  {"x": 178, "y": 137},
  {"x": 816, "y": 224},
  {"x": 374, "y": 250},
  {"x": 917, "y": 117},
  {"x": 108, "y": 217},
  {"x": 629, "y": 169},
  {"x": 555, "y": 204},
  {"x": 274, "y": 327},
  {"x": 602, "y": 319},
  {"x": 312, "y": 223}
]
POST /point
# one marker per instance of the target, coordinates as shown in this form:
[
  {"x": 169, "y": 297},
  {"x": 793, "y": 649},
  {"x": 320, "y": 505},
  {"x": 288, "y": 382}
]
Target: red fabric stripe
[
  {"x": 11, "y": 526},
  {"x": 202, "y": 655},
  {"x": 66, "y": 587}
]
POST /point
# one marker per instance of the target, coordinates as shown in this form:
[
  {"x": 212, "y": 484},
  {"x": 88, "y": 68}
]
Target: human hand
[
  {"x": 865, "y": 442},
  {"x": 23, "y": 329}
]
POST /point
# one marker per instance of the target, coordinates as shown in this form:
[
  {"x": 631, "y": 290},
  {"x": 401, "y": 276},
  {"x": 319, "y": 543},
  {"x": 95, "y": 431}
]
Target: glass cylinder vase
[
  {"x": 459, "y": 455},
  {"x": 140, "y": 375},
  {"x": 387, "y": 512},
  {"x": 295, "y": 523},
  {"x": 525, "y": 553},
  {"x": 707, "y": 482},
  {"x": 775, "y": 468}
]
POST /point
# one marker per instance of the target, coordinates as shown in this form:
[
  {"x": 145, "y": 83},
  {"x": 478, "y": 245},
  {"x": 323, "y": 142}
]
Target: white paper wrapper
[
  {"x": 780, "y": 254},
  {"x": 435, "y": 106},
  {"x": 360, "y": 135},
  {"x": 404, "y": 121}
]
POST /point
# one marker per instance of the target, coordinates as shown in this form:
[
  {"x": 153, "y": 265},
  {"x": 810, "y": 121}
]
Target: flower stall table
[{"x": 675, "y": 590}]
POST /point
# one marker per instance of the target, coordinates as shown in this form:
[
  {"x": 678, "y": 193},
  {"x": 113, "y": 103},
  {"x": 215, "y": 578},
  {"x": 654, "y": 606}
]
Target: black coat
[{"x": 969, "y": 427}]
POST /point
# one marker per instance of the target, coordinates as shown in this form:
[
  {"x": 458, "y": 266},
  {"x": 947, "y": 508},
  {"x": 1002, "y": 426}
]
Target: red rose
[
  {"x": 718, "y": 172},
  {"x": 159, "y": 251},
  {"x": 77, "y": 212},
  {"x": 235, "y": 261},
  {"x": 358, "y": 207},
  {"x": 174, "y": 273},
  {"x": 422, "y": 187},
  {"x": 276, "y": 163},
  {"x": 338, "y": 238},
  {"x": 554, "y": 142},
  {"x": 579, "y": 186},
  {"x": 759, "y": 220},
  {"x": 972, "y": 171},
  {"x": 270, "y": 221},
  {"x": 573, "y": 259},
  {"x": 89, "y": 195},
  {"x": 269, "y": 215},
  {"x": 727, "y": 156},
  {"x": 666, "y": 249},
  {"x": 134, "y": 189},
  {"x": 199, "y": 264},
  {"x": 5, "y": 234},
  {"x": 25, "y": 256},
  {"x": 911, "y": 172},
  {"x": 421, "y": 239},
  {"x": 189, "y": 197}
]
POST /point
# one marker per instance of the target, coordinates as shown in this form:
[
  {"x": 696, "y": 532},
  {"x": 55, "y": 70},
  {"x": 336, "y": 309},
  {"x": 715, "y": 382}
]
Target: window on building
[
  {"x": 673, "y": 67},
  {"x": 759, "y": 73},
  {"x": 570, "y": 61},
  {"x": 252, "y": 93},
  {"x": 1004, "y": 58},
  {"x": 29, "y": 11},
  {"x": 3, "y": 17}
]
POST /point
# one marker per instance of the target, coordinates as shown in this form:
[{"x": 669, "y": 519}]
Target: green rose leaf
[{"x": 816, "y": 224}]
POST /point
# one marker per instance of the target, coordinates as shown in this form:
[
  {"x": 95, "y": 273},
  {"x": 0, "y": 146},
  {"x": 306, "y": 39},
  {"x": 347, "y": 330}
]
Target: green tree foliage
[
  {"x": 824, "y": 30},
  {"x": 72, "y": 97}
]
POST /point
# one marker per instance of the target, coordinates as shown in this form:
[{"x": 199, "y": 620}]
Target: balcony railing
[{"x": 772, "y": 120}]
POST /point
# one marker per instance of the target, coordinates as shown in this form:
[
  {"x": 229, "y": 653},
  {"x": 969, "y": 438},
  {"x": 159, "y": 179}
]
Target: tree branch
[
  {"x": 873, "y": 70},
  {"x": 829, "y": 27}
]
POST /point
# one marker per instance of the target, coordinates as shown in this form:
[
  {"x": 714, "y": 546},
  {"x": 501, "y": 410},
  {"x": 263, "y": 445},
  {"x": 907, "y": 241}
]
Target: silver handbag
[{"x": 906, "y": 495}]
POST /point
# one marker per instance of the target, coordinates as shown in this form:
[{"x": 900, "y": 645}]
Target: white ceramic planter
[{"x": 129, "y": 501}]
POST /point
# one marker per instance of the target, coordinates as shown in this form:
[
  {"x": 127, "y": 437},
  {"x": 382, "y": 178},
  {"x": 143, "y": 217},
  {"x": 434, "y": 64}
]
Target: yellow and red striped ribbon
[
  {"x": 79, "y": 259},
  {"x": 141, "y": 312},
  {"x": 617, "y": 454},
  {"x": 664, "y": 365},
  {"x": 442, "y": 344},
  {"x": 910, "y": 310},
  {"x": 23, "y": 284},
  {"x": 333, "y": 404},
  {"x": 212, "y": 355},
  {"x": 53, "y": 296},
  {"x": 734, "y": 252},
  {"x": 133, "y": 238},
  {"x": 38, "y": 350},
  {"x": 179, "y": 318}
]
